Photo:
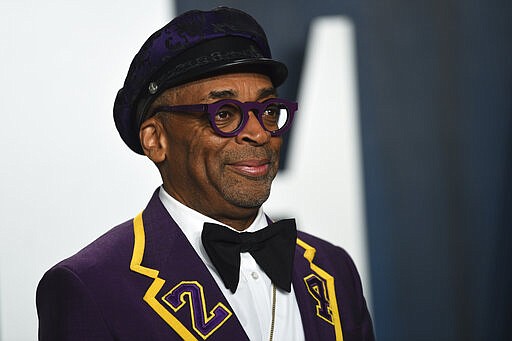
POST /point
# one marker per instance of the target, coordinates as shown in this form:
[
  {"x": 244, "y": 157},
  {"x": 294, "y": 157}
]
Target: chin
[{"x": 248, "y": 199}]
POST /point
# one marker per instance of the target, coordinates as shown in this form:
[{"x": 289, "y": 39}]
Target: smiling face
[{"x": 226, "y": 178}]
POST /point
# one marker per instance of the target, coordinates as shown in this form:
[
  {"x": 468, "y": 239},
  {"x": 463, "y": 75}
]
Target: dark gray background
[{"x": 435, "y": 97}]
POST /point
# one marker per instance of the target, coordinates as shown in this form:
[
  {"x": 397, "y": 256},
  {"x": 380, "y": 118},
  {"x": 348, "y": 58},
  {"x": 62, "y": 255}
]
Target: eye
[
  {"x": 272, "y": 111},
  {"x": 223, "y": 115},
  {"x": 275, "y": 116},
  {"x": 271, "y": 116},
  {"x": 226, "y": 113},
  {"x": 228, "y": 117}
]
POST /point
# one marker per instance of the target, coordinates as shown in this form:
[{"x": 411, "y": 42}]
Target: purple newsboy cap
[{"x": 194, "y": 45}]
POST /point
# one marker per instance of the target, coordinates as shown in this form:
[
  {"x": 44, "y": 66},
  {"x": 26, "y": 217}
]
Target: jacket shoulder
[
  {"x": 324, "y": 250},
  {"x": 105, "y": 253},
  {"x": 71, "y": 296}
]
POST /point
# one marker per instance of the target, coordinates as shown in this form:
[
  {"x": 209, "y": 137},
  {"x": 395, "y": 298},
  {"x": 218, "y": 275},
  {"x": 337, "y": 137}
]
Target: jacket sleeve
[
  {"x": 361, "y": 316},
  {"x": 67, "y": 310}
]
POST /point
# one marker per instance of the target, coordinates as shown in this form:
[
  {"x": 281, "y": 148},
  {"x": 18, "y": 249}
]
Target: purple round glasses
[{"x": 228, "y": 117}]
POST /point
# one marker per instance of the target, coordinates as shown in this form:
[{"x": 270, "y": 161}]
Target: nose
[{"x": 253, "y": 132}]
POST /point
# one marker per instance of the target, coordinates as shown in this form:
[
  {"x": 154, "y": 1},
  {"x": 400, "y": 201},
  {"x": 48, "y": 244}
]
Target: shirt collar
[{"x": 191, "y": 222}]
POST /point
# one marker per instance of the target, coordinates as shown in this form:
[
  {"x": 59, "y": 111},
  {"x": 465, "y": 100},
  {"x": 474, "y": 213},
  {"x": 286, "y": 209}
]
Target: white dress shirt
[{"x": 252, "y": 301}]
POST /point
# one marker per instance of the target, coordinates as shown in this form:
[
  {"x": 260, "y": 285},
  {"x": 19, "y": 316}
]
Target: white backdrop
[{"x": 66, "y": 176}]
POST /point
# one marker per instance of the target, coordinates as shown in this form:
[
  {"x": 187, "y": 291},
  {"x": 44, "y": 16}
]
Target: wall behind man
[
  {"x": 66, "y": 177},
  {"x": 435, "y": 86}
]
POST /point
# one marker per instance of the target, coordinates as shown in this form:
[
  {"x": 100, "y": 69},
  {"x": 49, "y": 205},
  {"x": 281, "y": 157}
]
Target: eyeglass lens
[{"x": 229, "y": 117}]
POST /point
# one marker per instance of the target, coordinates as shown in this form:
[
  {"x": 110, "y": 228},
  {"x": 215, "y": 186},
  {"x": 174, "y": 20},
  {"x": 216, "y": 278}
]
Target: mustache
[{"x": 250, "y": 153}]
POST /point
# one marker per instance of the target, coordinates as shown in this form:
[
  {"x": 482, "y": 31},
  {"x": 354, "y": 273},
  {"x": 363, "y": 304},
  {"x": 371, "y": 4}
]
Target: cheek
[
  {"x": 188, "y": 141},
  {"x": 275, "y": 145},
  {"x": 204, "y": 155}
]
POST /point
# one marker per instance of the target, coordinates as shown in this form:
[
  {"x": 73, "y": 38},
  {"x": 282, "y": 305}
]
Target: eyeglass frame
[{"x": 258, "y": 108}]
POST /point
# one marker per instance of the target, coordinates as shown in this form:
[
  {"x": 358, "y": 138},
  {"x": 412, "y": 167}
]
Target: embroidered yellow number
[
  {"x": 192, "y": 292},
  {"x": 317, "y": 288}
]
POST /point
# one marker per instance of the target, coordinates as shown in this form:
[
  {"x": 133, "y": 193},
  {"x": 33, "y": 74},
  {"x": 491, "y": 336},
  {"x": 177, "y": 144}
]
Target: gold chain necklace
[{"x": 273, "y": 312}]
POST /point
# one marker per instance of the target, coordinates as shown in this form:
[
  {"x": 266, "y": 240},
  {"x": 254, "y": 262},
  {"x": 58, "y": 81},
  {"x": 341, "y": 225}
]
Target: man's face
[{"x": 225, "y": 178}]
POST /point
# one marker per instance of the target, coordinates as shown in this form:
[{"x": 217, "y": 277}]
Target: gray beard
[{"x": 247, "y": 200}]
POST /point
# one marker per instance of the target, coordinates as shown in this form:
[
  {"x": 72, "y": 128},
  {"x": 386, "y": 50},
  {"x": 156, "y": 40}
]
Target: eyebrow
[
  {"x": 230, "y": 93},
  {"x": 220, "y": 94},
  {"x": 267, "y": 92}
]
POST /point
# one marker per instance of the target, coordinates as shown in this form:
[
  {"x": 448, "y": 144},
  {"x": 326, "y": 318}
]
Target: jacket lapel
[
  {"x": 183, "y": 292},
  {"x": 316, "y": 297}
]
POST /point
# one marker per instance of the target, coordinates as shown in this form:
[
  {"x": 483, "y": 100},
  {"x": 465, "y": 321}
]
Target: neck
[
  {"x": 238, "y": 224},
  {"x": 236, "y": 217}
]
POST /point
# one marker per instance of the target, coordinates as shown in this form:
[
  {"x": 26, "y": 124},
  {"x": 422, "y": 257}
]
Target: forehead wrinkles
[
  {"x": 179, "y": 95},
  {"x": 248, "y": 85}
]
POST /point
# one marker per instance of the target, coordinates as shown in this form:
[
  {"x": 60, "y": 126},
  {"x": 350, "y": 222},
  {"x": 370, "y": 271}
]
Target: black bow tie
[{"x": 272, "y": 247}]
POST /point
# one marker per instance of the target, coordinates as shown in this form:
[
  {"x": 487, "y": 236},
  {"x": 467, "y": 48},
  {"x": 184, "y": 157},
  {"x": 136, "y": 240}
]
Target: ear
[{"x": 153, "y": 139}]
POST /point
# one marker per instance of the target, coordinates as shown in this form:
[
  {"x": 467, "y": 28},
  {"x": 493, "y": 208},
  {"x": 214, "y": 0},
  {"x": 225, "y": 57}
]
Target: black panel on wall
[{"x": 435, "y": 87}]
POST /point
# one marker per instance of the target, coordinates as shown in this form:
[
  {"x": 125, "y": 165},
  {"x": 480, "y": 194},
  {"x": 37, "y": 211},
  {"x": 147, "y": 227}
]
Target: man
[{"x": 200, "y": 101}]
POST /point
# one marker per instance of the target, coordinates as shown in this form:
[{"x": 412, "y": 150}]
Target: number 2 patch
[{"x": 191, "y": 293}]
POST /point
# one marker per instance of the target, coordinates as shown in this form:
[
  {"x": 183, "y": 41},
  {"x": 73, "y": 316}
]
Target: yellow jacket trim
[
  {"x": 158, "y": 283},
  {"x": 309, "y": 255}
]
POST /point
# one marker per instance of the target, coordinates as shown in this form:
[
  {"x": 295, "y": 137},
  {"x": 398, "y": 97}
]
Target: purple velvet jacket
[{"x": 142, "y": 280}]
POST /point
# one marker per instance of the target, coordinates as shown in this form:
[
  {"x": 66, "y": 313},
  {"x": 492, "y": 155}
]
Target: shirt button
[{"x": 255, "y": 275}]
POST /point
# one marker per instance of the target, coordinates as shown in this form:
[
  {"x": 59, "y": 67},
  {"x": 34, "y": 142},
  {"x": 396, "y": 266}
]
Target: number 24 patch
[{"x": 317, "y": 288}]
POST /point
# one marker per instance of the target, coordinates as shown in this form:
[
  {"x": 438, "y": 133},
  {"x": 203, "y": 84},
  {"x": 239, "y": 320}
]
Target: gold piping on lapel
[
  {"x": 158, "y": 283},
  {"x": 309, "y": 254}
]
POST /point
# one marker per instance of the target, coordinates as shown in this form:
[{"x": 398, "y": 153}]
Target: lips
[{"x": 251, "y": 168}]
